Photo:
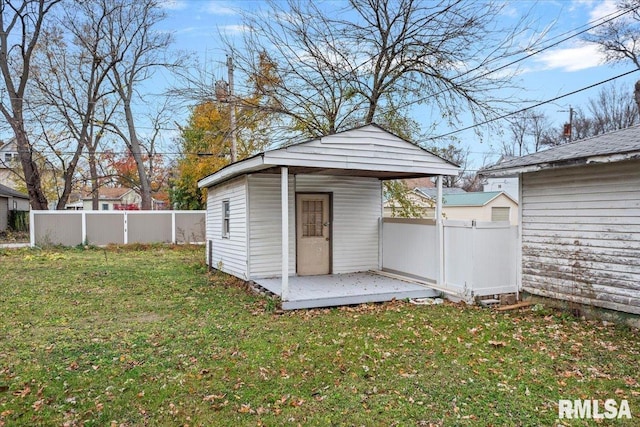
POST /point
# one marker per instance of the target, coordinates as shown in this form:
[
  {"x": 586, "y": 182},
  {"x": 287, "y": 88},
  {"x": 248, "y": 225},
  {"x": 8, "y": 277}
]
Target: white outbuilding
[{"x": 313, "y": 210}]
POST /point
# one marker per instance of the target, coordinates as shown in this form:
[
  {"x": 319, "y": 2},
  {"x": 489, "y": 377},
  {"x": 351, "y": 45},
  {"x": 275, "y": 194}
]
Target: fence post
[
  {"x": 173, "y": 227},
  {"x": 126, "y": 231},
  {"x": 84, "y": 228},
  {"x": 32, "y": 228}
]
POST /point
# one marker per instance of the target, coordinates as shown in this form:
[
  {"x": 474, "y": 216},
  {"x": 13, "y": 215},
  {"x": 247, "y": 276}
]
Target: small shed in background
[
  {"x": 580, "y": 220},
  {"x": 12, "y": 202}
]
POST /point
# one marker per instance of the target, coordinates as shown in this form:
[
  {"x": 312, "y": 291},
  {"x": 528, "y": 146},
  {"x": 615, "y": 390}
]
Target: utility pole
[
  {"x": 232, "y": 111},
  {"x": 568, "y": 127}
]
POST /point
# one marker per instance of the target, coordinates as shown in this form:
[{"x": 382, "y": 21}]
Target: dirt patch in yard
[{"x": 8, "y": 236}]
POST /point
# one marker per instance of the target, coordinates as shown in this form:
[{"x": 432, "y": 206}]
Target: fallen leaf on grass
[
  {"x": 497, "y": 344},
  {"x": 24, "y": 392},
  {"x": 212, "y": 397},
  {"x": 245, "y": 408}
]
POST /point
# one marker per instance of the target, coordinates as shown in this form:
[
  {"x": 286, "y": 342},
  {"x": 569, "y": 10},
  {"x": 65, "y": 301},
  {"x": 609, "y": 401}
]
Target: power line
[{"x": 513, "y": 113}]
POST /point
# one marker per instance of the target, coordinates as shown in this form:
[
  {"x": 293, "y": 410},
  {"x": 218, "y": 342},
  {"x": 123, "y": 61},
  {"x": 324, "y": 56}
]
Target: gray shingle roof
[
  {"x": 618, "y": 145},
  {"x": 6, "y": 191}
]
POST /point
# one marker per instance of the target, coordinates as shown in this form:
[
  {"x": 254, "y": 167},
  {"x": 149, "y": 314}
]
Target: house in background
[
  {"x": 11, "y": 200},
  {"x": 508, "y": 185},
  {"x": 580, "y": 220},
  {"x": 481, "y": 206},
  {"x": 8, "y": 161},
  {"x": 293, "y": 218},
  {"x": 110, "y": 199},
  {"x": 460, "y": 205}
]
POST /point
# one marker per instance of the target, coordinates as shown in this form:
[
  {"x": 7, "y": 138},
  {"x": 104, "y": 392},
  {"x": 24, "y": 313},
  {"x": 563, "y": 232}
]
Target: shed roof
[
  {"x": 433, "y": 192},
  {"x": 614, "y": 146},
  {"x": 368, "y": 150},
  {"x": 478, "y": 198},
  {"x": 10, "y": 192}
]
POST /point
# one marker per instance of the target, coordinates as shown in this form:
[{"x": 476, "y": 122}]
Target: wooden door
[{"x": 313, "y": 234}]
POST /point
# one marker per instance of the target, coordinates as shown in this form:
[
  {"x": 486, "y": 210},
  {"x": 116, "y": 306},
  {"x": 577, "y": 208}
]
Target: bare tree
[
  {"x": 612, "y": 109},
  {"x": 71, "y": 77},
  {"x": 21, "y": 24},
  {"x": 373, "y": 58},
  {"x": 619, "y": 39},
  {"x": 137, "y": 49}
]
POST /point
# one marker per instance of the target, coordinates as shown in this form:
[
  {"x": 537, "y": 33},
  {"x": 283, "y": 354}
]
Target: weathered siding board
[
  {"x": 581, "y": 235},
  {"x": 265, "y": 231},
  {"x": 356, "y": 209},
  {"x": 228, "y": 253}
]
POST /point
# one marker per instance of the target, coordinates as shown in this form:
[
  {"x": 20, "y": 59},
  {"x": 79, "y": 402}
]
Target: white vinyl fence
[
  {"x": 71, "y": 228},
  {"x": 480, "y": 258}
]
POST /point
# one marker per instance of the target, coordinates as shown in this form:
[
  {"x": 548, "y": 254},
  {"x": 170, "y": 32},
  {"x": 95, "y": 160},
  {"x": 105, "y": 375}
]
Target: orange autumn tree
[
  {"x": 124, "y": 172},
  {"x": 205, "y": 141}
]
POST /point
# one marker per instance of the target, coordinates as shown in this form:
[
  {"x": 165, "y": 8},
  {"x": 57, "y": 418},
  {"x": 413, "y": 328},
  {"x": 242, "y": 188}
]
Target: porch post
[
  {"x": 440, "y": 231},
  {"x": 284, "y": 193}
]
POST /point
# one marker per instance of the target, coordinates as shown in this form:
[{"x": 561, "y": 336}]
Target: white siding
[
  {"x": 357, "y": 206},
  {"x": 581, "y": 235},
  {"x": 356, "y": 210},
  {"x": 229, "y": 253},
  {"x": 265, "y": 234},
  {"x": 367, "y": 148}
]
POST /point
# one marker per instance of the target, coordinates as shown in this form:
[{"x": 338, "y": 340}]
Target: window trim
[{"x": 226, "y": 219}]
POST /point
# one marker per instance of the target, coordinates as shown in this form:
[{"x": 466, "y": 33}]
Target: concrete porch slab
[{"x": 344, "y": 289}]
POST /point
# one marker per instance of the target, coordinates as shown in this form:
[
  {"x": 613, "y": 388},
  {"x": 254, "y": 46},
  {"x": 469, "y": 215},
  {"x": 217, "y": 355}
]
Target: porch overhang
[{"x": 263, "y": 164}]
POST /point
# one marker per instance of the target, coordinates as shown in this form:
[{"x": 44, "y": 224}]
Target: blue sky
[{"x": 567, "y": 67}]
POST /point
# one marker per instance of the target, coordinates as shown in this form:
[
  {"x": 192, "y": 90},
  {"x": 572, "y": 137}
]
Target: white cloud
[
  {"x": 233, "y": 29},
  {"x": 576, "y": 58},
  {"x": 174, "y": 4},
  {"x": 602, "y": 9},
  {"x": 219, "y": 8}
]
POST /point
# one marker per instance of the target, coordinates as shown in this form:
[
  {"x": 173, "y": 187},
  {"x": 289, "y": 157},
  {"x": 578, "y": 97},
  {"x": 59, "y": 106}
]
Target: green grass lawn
[{"x": 143, "y": 336}]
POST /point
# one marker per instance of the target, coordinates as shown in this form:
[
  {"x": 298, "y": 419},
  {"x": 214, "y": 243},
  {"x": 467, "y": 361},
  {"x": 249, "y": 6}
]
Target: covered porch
[
  {"x": 344, "y": 289},
  {"x": 308, "y": 217}
]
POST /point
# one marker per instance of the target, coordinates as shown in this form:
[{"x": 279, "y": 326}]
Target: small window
[
  {"x": 7, "y": 157},
  {"x": 226, "y": 213},
  {"x": 312, "y": 218},
  {"x": 105, "y": 206},
  {"x": 500, "y": 214}
]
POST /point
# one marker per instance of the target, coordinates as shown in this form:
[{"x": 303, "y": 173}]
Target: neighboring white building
[
  {"x": 327, "y": 192},
  {"x": 8, "y": 161},
  {"x": 493, "y": 206},
  {"x": 580, "y": 221},
  {"x": 110, "y": 199},
  {"x": 507, "y": 185}
]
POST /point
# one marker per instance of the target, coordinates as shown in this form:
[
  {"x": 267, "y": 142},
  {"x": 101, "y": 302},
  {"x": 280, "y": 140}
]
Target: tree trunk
[
  {"x": 37, "y": 198},
  {"x": 636, "y": 94},
  {"x": 134, "y": 146},
  {"x": 93, "y": 176}
]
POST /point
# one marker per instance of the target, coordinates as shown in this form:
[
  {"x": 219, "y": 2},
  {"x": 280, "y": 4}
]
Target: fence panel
[
  {"x": 104, "y": 228},
  {"x": 480, "y": 258},
  {"x": 409, "y": 247},
  {"x": 70, "y": 228},
  {"x": 56, "y": 228},
  {"x": 149, "y": 227},
  {"x": 190, "y": 227}
]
